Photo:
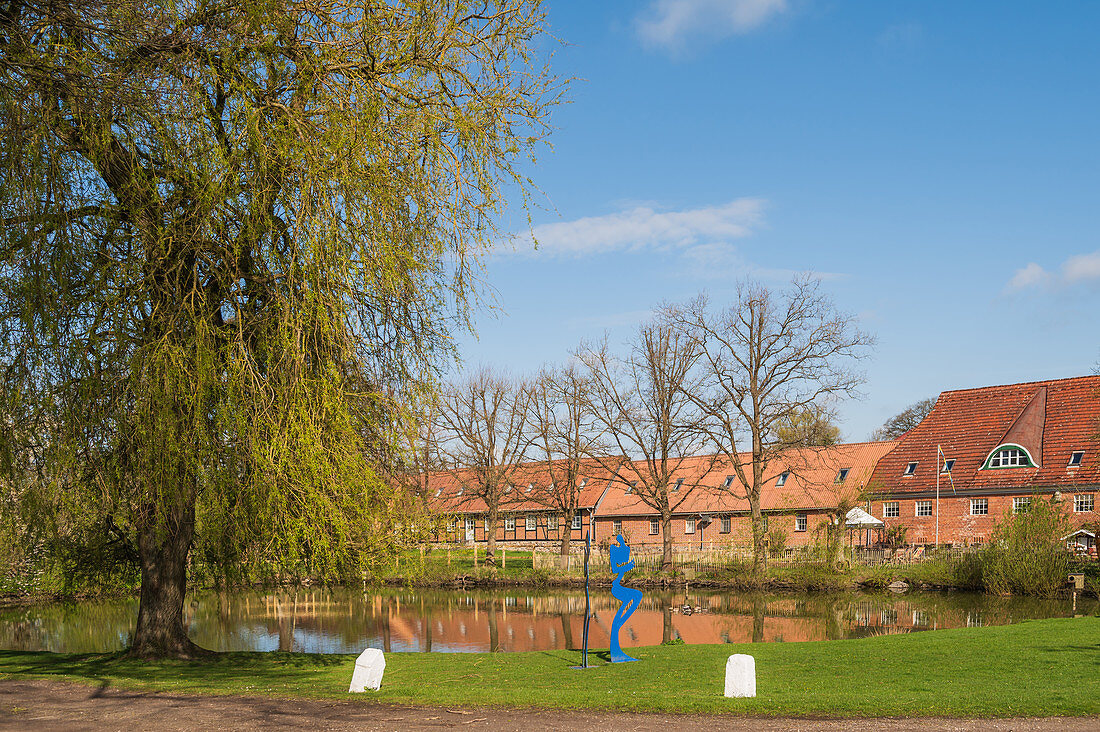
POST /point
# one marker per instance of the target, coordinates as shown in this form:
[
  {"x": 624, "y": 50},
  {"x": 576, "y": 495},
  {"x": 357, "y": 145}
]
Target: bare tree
[
  {"x": 564, "y": 431},
  {"x": 904, "y": 420},
  {"x": 483, "y": 430},
  {"x": 765, "y": 357},
  {"x": 643, "y": 406}
]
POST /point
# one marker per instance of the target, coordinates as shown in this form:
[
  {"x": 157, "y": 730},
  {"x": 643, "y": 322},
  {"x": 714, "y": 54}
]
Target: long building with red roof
[{"x": 979, "y": 455}]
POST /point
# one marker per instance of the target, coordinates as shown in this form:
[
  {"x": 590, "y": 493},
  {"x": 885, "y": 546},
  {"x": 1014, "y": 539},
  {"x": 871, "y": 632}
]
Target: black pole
[{"x": 587, "y": 597}]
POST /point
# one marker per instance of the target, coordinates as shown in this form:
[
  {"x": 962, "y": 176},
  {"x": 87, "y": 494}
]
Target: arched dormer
[{"x": 1009, "y": 455}]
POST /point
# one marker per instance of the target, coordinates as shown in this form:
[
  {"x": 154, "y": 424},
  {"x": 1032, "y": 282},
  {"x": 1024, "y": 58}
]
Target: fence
[{"x": 714, "y": 560}]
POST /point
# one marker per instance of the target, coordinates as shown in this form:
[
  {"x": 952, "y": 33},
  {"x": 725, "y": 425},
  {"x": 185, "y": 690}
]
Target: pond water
[{"x": 347, "y": 621}]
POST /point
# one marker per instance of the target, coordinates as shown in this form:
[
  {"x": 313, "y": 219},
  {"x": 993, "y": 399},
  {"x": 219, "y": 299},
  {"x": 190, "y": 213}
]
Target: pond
[{"x": 347, "y": 621}]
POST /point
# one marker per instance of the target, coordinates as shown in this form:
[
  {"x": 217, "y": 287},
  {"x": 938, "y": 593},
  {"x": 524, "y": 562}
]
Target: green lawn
[{"x": 1042, "y": 667}]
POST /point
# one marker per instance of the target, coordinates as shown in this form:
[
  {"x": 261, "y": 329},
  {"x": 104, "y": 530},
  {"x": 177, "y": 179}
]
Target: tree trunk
[
  {"x": 566, "y": 534},
  {"x": 163, "y": 552},
  {"x": 666, "y": 549},
  {"x": 757, "y": 535},
  {"x": 491, "y": 540}
]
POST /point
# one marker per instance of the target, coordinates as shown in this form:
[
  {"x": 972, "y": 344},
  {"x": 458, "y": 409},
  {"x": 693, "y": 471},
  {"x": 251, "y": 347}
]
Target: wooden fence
[{"x": 714, "y": 560}]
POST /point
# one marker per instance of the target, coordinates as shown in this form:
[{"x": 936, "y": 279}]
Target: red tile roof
[
  {"x": 811, "y": 482},
  {"x": 454, "y": 491},
  {"x": 1052, "y": 419}
]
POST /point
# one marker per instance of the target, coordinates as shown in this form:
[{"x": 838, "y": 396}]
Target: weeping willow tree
[{"x": 236, "y": 237}]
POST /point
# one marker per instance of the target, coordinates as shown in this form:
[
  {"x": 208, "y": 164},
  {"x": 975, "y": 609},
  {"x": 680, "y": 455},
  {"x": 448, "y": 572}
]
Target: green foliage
[
  {"x": 777, "y": 542},
  {"x": 1025, "y": 555},
  {"x": 236, "y": 240}
]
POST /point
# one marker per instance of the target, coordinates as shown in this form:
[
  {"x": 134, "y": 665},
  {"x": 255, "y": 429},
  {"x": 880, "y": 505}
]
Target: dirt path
[{"x": 43, "y": 706}]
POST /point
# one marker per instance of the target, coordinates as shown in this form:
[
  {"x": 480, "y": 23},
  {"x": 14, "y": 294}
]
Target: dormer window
[
  {"x": 842, "y": 475},
  {"x": 630, "y": 488},
  {"x": 910, "y": 469},
  {"x": 1076, "y": 457},
  {"x": 584, "y": 482},
  {"x": 679, "y": 483},
  {"x": 947, "y": 465},
  {"x": 729, "y": 481},
  {"x": 1009, "y": 456},
  {"x": 782, "y": 478}
]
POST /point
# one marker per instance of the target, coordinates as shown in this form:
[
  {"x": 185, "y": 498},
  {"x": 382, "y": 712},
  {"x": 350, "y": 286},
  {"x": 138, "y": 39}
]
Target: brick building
[
  {"x": 1002, "y": 447},
  {"x": 709, "y": 509}
]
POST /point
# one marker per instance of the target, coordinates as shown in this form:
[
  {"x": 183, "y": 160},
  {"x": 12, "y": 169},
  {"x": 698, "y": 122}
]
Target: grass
[{"x": 1035, "y": 668}]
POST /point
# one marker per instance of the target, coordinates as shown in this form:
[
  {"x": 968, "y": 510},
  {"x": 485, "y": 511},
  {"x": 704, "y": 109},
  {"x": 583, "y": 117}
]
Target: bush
[{"x": 1025, "y": 555}]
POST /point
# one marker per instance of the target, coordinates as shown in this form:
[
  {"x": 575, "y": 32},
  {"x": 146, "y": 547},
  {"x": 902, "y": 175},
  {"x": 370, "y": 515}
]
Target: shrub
[{"x": 1025, "y": 555}]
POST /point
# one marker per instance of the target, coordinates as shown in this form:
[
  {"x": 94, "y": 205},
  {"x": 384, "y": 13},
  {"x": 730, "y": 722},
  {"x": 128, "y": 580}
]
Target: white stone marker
[
  {"x": 368, "y": 671},
  {"x": 741, "y": 675}
]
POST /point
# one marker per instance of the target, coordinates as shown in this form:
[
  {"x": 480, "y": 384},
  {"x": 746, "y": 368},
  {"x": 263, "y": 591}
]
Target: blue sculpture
[{"x": 621, "y": 563}]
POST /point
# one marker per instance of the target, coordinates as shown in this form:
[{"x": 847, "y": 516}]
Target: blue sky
[{"x": 937, "y": 163}]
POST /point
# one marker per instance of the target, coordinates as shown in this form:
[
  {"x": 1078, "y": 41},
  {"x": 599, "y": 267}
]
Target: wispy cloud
[
  {"x": 644, "y": 227},
  {"x": 901, "y": 37},
  {"x": 610, "y": 320},
  {"x": 723, "y": 261},
  {"x": 670, "y": 24},
  {"x": 1078, "y": 269}
]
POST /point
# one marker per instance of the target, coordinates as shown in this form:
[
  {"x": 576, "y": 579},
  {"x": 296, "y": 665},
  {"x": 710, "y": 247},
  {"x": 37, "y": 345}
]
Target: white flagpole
[{"x": 937, "y": 496}]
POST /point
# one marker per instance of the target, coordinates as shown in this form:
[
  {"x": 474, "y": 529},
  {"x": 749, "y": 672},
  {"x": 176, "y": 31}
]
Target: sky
[{"x": 935, "y": 163}]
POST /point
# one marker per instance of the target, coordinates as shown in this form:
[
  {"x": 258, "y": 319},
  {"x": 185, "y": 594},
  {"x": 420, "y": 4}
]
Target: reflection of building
[{"x": 1001, "y": 447}]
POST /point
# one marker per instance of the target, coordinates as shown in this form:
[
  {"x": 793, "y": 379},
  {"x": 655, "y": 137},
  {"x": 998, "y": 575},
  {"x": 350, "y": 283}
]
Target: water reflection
[{"x": 343, "y": 621}]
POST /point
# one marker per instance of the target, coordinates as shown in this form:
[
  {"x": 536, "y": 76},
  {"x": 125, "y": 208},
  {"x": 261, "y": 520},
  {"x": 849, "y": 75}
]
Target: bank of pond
[{"x": 342, "y": 620}]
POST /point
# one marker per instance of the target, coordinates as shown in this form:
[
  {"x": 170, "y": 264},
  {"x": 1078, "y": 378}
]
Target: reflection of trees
[
  {"x": 758, "y": 608},
  {"x": 494, "y": 630},
  {"x": 341, "y": 620}
]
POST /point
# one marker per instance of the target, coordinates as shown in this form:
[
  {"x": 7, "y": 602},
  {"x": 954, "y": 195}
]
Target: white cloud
[
  {"x": 1080, "y": 268},
  {"x": 669, "y": 24},
  {"x": 643, "y": 227},
  {"x": 1030, "y": 276}
]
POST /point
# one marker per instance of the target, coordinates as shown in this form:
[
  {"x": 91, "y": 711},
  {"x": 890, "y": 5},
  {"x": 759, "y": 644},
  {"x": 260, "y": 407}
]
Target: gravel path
[{"x": 43, "y": 706}]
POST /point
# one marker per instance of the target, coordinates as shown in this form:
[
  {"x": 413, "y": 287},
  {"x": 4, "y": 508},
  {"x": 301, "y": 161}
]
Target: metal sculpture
[
  {"x": 621, "y": 563},
  {"x": 587, "y": 600}
]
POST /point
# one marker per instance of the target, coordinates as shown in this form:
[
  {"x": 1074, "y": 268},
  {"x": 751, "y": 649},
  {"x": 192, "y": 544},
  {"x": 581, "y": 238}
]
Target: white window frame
[
  {"x": 1009, "y": 456},
  {"x": 1084, "y": 502},
  {"x": 617, "y": 526},
  {"x": 577, "y": 522},
  {"x": 923, "y": 509},
  {"x": 979, "y": 506},
  {"x": 764, "y": 522},
  {"x": 1020, "y": 504},
  {"x": 679, "y": 482},
  {"x": 1075, "y": 458},
  {"x": 891, "y": 509},
  {"x": 532, "y": 523},
  {"x": 729, "y": 481},
  {"x": 727, "y": 525},
  {"x": 782, "y": 478},
  {"x": 631, "y": 486},
  {"x": 689, "y": 526},
  {"x": 948, "y": 465},
  {"x": 509, "y": 523},
  {"x": 654, "y": 527},
  {"x": 800, "y": 522},
  {"x": 842, "y": 475},
  {"x": 910, "y": 469}
]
